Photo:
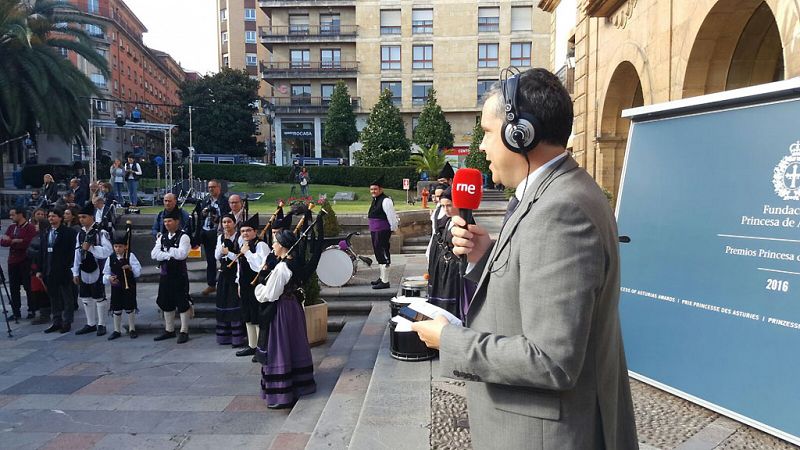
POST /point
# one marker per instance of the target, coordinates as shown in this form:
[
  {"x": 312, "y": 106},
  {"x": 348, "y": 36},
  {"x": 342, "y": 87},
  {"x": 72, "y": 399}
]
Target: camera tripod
[{"x": 4, "y": 293}]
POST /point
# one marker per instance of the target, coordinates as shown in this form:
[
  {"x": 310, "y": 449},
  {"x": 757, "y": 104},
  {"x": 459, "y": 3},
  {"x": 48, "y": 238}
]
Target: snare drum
[
  {"x": 399, "y": 302},
  {"x": 407, "y": 346},
  {"x": 414, "y": 287},
  {"x": 336, "y": 267}
]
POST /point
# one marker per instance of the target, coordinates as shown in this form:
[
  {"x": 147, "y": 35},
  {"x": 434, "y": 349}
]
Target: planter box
[{"x": 317, "y": 323}]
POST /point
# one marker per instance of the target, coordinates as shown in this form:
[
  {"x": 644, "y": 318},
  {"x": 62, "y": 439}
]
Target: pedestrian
[
  {"x": 117, "y": 178},
  {"x": 170, "y": 204},
  {"x": 542, "y": 347},
  {"x": 288, "y": 371},
  {"x": 17, "y": 238},
  {"x": 230, "y": 326},
  {"x": 133, "y": 171},
  {"x": 71, "y": 218},
  {"x": 444, "y": 268},
  {"x": 304, "y": 179},
  {"x": 92, "y": 248},
  {"x": 108, "y": 193},
  {"x": 236, "y": 208},
  {"x": 55, "y": 263},
  {"x": 49, "y": 190},
  {"x": 382, "y": 222},
  {"x": 253, "y": 252},
  {"x": 80, "y": 192},
  {"x": 39, "y": 300},
  {"x": 211, "y": 209},
  {"x": 171, "y": 250},
  {"x": 120, "y": 272}
]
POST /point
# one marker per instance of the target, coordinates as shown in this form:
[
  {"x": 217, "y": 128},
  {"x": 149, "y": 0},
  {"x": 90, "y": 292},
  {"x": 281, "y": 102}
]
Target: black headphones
[{"x": 520, "y": 131}]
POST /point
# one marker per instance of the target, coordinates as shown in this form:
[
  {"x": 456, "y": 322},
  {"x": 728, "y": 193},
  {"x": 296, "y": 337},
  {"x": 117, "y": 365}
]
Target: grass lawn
[{"x": 274, "y": 191}]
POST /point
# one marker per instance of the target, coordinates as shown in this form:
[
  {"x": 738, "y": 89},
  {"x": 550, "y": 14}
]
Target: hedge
[{"x": 334, "y": 175}]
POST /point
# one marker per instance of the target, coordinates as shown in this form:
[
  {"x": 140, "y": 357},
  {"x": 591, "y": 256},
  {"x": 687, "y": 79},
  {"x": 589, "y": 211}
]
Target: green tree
[
  {"x": 429, "y": 160},
  {"x": 340, "y": 124},
  {"x": 432, "y": 127},
  {"x": 40, "y": 90},
  {"x": 476, "y": 158},
  {"x": 384, "y": 138},
  {"x": 222, "y": 115}
]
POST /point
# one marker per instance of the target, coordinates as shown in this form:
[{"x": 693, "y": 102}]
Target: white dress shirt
[
  {"x": 136, "y": 268},
  {"x": 100, "y": 252},
  {"x": 276, "y": 283},
  {"x": 180, "y": 253}
]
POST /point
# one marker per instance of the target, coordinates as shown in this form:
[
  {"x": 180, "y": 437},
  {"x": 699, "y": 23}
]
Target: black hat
[
  {"x": 286, "y": 238},
  {"x": 448, "y": 194},
  {"x": 121, "y": 238},
  {"x": 447, "y": 171},
  {"x": 128, "y": 155},
  {"x": 282, "y": 221},
  {"x": 377, "y": 182},
  {"x": 229, "y": 216},
  {"x": 252, "y": 222},
  {"x": 175, "y": 214},
  {"x": 87, "y": 209}
]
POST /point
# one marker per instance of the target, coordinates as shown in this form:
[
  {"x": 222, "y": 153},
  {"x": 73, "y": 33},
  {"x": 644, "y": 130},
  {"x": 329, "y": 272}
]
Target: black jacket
[{"x": 58, "y": 270}]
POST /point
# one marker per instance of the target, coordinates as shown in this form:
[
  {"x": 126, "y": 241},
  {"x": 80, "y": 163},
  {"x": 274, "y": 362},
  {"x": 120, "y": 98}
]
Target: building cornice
[
  {"x": 549, "y": 5},
  {"x": 601, "y": 8}
]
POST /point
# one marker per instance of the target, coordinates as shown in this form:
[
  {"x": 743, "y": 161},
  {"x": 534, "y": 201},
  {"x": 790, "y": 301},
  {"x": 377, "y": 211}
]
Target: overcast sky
[{"x": 186, "y": 29}]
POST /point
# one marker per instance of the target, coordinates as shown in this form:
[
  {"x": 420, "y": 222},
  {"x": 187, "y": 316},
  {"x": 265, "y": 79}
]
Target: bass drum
[{"x": 336, "y": 267}]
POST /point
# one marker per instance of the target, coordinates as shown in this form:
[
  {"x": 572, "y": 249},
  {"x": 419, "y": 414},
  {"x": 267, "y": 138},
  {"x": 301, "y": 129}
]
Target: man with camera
[{"x": 212, "y": 208}]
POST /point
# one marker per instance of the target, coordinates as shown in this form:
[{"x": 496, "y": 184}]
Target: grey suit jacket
[{"x": 542, "y": 351}]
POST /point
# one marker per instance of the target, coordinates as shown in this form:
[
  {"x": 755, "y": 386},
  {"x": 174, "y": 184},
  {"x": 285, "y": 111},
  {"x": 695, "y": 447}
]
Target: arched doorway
[
  {"x": 738, "y": 45},
  {"x": 624, "y": 91}
]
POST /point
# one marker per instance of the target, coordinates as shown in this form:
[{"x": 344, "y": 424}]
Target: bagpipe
[{"x": 128, "y": 233}]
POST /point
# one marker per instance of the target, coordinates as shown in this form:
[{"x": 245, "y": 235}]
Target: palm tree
[
  {"x": 430, "y": 160},
  {"x": 41, "y": 90}
]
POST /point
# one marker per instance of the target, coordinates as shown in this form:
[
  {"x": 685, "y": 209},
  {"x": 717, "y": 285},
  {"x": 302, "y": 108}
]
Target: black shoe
[
  {"x": 114, "y": 335},
  {"x": 53, "y": 328},
  {"x": 164, "y": 336},
  {"x": 31, "y": 315},
  {"x": 15, "y": 317},
  {"x": 87, "y": 329},
  {"x": 133, "y": 334},
  {"x": 246, "y": 352},
  {"x": 378, "y": 281},
  {"x": 381, "y": 285},
  {"x": 65, "y": 328},
  {"x": 40, "y": 321},
  {"x": 281, "y": 405},
  {"x": 101, "y": 330},
  {"x": 254, "y": 359},
  {"x": 183, "y": 338}
]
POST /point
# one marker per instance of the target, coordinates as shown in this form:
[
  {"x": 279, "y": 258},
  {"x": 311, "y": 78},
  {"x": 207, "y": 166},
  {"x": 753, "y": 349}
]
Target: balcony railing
[
  {"x": 308, "y": 69},
  {"x": 303, "y": 3},
  {"x": 304, "y": 104},
  {"x": 304, "y": 31}
]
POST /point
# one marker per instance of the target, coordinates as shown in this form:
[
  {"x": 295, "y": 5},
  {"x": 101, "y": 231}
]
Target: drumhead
[
  {"x": 403, "y": 300},
  {"x": 414, "y": 282},
  {"x": 335, "y": 267}
]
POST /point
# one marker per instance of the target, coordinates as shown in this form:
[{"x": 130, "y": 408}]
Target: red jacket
[{"x": 17, "y": 250}]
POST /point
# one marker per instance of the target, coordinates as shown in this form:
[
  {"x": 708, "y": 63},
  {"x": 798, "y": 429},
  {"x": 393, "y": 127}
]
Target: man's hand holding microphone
[{"x": 470, "y": 241}]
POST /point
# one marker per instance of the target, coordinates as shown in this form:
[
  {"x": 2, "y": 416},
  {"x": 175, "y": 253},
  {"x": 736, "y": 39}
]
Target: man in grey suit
[{"x": 542, "y": 348}]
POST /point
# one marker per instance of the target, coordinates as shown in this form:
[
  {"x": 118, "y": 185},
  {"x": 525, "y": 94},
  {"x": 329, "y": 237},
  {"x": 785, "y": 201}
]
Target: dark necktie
[{"x": 512, "y": 206}]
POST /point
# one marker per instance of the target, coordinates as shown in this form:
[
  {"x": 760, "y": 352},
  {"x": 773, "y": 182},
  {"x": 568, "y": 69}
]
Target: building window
[
  {"x": 487, "y": 55},
  {"x": 419, "y": 92},
  {"x": 223, "y": 15},
  {"x": 390, "y": 57},
  {"x": 298, "y": 24},
  {"x": 329, "y": 24},
  {"x": 250, "y": 37},
  {"x": 100, "y": 105},
  {"x": 330, "y": 58},
  {"x": 521, "y": 18},
  {"x": 98, "y": 79},
  {"x": 327, "y": 91},
  {"x": 390, "y": 21},
  {"x": 488, "y": 20},
  {"x": 225, "y": 60},
  {"x": 396, "y": 88},
  {"x": 224, "y": 38},
  {"x": 300, "y": 59},
  {"x": 301, "y": 94},
  {"x": 93, "y": 6},
  {"x": 521, "y": 54},
  {"x": 422, "y": 21},
  {"x": 94, "y": 30},
  {"x": 414, "y": 123},
  {"x": 250, "y": 14},
  {"x": 483, "y": 87},
  {"x": 251, "y": 59},
  {"x": 423, "y": 57}
]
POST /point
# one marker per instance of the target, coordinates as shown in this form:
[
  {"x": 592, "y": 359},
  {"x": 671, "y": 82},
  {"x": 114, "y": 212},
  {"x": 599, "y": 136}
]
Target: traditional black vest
[
  {"x": 172, "y": 266},
  {"x": 132, "y": 168},
  {"x": 88, "y": 261},
  {"x": 376, "y": 209},
  {"x": 233, "y": 247},
  {"x": 116, "y": 270},
  {"x": 246, "y": 274}
]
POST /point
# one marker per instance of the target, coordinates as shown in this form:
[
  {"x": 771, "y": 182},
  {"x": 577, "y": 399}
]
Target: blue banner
[{"x": 710, "y": 301}]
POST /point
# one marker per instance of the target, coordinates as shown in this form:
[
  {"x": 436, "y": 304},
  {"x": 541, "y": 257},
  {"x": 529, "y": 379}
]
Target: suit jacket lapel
[{"x": 512, "y": 222}]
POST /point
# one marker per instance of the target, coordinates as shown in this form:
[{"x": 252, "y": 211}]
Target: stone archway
[
  {"x": 624, "y": 91},
  {"x": 737, "y": 45}
]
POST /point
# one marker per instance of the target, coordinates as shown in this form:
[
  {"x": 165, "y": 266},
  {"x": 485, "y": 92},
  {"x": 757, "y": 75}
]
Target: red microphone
[{"x": 467, "y": 192}]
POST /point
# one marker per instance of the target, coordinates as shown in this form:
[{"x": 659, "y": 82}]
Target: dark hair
[
  {"x": 541, "y": 94},
  {"x": 22, "y": 211},
  {"x": 58, "y": 211}
]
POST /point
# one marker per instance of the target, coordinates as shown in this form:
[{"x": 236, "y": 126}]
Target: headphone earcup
[{"x": 520, "y": 137}]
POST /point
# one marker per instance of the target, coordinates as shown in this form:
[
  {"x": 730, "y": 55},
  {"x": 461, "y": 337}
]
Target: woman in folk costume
[
  {"x": 288, "y": 371},
  {"x": 252, "y": 254},
  {"x": 230, "y": 326},
  {"x": 439, "y": 219},
  {"x": 444, "y": 284}
]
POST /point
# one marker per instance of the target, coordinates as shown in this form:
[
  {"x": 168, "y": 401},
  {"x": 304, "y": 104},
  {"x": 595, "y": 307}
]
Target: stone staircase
[{"x": 415, "y": 245}]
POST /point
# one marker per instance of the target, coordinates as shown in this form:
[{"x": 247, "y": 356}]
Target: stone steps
[{"x": 414, "y": 249}]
